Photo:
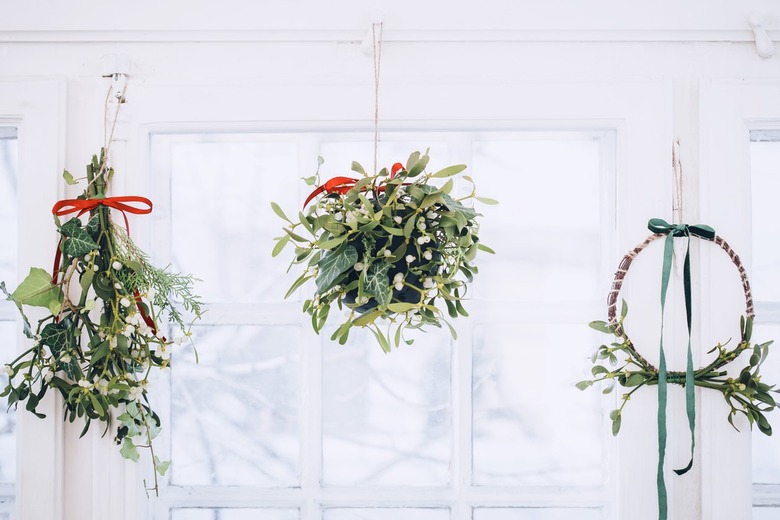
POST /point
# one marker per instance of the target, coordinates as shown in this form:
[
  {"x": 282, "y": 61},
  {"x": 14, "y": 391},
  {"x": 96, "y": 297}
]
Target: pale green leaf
[
  {"x": 129, "y": 450},
  {"x": 449, "y": 171},
  {"x": 37, "y": 290}
]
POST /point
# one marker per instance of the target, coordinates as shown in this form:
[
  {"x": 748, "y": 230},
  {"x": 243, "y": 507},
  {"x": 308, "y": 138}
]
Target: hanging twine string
[
  {"x": 376, "y": 44},
  {"x": 108, "y": 135},
  {"x": 678, "y": 182}
]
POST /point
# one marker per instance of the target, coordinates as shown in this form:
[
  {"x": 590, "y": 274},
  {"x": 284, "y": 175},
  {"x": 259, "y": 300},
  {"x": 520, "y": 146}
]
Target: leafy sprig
[
  {"x": 745, "y": 394},
  {"x": 389, "y": 249}
]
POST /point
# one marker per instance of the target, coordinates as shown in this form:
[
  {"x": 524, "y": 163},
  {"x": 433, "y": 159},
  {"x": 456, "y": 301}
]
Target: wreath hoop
[
  {"x": 745, "y": 393},
  {"x": 676, "y": 377}
]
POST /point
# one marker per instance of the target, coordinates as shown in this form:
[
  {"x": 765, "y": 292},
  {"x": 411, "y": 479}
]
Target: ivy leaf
[
  {"x": 37, "y": 290},
  {"x": 333, "y": 264},
  {"x": 55, "y": 336},
  {"x": 27, "y": 329},
  {"x": 161, "y": 465},
  {"x": 129, "y": 450},
  {"x": 78, "y": 242},
  {"x": 377, "y": 282}
]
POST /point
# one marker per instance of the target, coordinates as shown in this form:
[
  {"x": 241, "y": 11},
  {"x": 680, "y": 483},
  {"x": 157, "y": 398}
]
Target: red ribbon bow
[
  {"x": 68, "y": 206},
  {"x": 342, "y": 185}
]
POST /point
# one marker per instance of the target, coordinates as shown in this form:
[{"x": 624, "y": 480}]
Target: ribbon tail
[
  {"x": 662, "y": 383},
  {"x": 660, "y": 482},
  {"x": 690, "y": 388}
]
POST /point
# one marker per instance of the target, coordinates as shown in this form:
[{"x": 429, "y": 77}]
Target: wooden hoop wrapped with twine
[
  {"x": 745, "y": 393},
  {"x": 617, "y": 283}
]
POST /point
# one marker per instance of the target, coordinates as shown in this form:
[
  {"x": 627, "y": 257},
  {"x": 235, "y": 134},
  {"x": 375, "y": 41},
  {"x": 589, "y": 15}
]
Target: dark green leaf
[{"x": 333, "y": 264}]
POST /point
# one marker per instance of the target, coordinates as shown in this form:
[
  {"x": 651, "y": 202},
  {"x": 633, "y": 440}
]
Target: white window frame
[
  {"x": 639, "y": 113},
  {"x": 36, "y": 109},
  {"x": 729, "y": 110}
]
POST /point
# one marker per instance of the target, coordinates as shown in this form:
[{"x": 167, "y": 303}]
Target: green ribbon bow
[{"x": 660, "y": 226}]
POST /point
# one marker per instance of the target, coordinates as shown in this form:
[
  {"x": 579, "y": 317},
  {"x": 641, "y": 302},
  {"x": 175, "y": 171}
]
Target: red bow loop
[
  {"x": 68, "y": 206},
  {"x": 342, "y": 185}
]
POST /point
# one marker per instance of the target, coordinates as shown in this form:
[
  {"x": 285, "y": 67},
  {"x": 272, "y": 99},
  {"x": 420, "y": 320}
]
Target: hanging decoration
[
  {"x": 621, "y": 361},
  {"x": 100, "y": 340},
  {"x": 389, "y": 246}
]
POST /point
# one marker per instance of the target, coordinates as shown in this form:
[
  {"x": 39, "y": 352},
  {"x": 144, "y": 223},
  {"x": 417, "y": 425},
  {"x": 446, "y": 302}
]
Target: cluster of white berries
[{"x": 398, "y": 281}]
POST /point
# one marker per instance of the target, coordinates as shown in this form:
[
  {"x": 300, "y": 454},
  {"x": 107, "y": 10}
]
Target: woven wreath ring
[{"x": 617, "y": 283}]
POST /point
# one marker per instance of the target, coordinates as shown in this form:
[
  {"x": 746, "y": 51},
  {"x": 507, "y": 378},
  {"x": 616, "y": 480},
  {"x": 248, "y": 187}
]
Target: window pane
[
  {"x": 8, "y": 275},
  {"x": 8, "y": 207},
  {"x": 766, "y": 450},
  {"x": 535, "y": 513},
  {"x": 234, "y": 514},
  {"x": 532, "y": 426},
  {"x": 387, "y": 513},
  {"x": 235, "y": 413},
  {"x": 386, "y": 417},
  {"x": 766, "y": 513},
  {"x": 558, "y": 256},
  {"x": 765, "y": 187},
  {"x": 7, "y": 419},
  {"x": 222, "y": 227}
]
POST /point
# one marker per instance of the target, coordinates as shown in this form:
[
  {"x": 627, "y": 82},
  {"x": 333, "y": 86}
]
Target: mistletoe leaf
[
  {"x": 69, "y": 180},
  {"x": 37, "y": 290},
  {"x": 449, "y": 171},
  {"x": 333, "y": 264}
]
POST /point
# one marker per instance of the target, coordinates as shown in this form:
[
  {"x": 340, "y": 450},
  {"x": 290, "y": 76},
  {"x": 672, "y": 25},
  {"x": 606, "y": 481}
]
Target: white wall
[{"x": 209, "y": 56}]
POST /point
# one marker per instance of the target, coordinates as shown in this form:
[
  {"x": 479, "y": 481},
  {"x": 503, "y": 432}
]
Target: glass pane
[
  {"x": 234, "y": 514},
  {"x": 766, "y": 450},
  {"x": 7, "y": 419},
  {"x": 386, "y": 417},
  {"x": 766, "y": 513},
  {"x": 235, "y": 413},
  {"x": 339, "y": 155},
  {"x": 8, "y": 274},
  {"x": 532, "y": 426},
  {"x": 222, "y": 228},
  {"x": 8, "y": 207},
  {"x": 535, "y": 513},
  {"x": 765, "y": 187},
  {"x": 552, "y": 226},
  {"x": 387, "y": 513}
]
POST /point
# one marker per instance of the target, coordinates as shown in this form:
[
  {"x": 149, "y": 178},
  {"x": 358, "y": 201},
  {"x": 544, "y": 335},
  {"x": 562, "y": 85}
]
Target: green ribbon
[{"x": 660, "y": 226}]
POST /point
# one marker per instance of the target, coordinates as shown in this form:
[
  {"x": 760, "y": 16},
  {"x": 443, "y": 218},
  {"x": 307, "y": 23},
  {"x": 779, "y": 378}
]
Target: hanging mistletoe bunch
[
  {"x": 99, "y": 341},
  {"x": 389, "y": 247}
]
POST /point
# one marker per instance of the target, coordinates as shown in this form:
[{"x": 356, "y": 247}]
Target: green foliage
[
  {"x": 99, "y": 344},
  {"x": 746, "y": 394},
  {"x": 389, "y": 249}
]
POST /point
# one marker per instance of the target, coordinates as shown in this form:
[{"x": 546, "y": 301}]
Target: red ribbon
[
  {"x": 342, "y": 185},
  {"x": 123, "y": 204},
  {"x": 68, "y": 206}
]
